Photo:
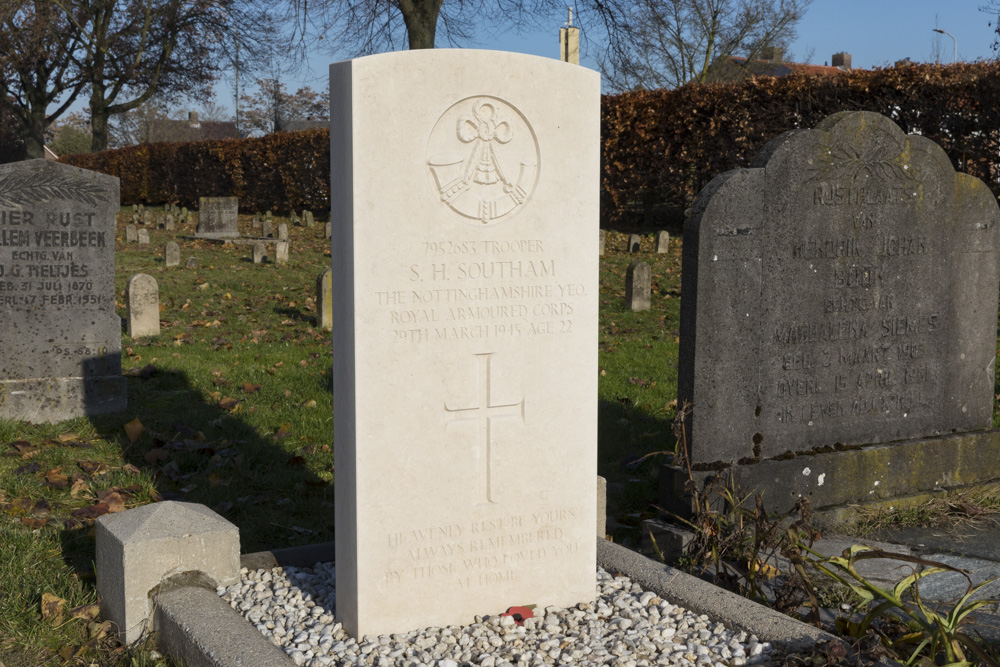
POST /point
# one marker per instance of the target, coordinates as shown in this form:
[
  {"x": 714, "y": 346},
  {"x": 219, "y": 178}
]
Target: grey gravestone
[
  {"x": 191, "y": 263},
  {"x": 638, "y": 284},
  {"x": 60, "y": 338},
  {"x": 633, "y": 242},
  {"x": 161, "y": 222},
  {"x": 142, "y": 208},
  {"x": 172, "y": 254},
  {"x": 142, "y": 301},
  {"x": 282, "y": 232},
  {"x": 135, "y": 218},
  {"x": 329, "y": 229},
  {"x": 842, "y": 291},
  {"x": 256, "y": 221},
  {"x": 169, "y": 224},
  {"x": 143, "y": 237},
  {"x": 131, "y": 234},
  {"x": 281, "y": 252},
  {"x": 217, "y": 217},
  {"x": 307, "y": 218},
  {"x": 259, "y": 253},
  {"x": 601, "y": 245},
  {"x": 324, "y": 300},
  {"x": 266, "y": 229},
  {"x": 268, "y": 216},
  {"x": 147, "y": 217},
  {"x": 662, "y": 242},
  {"x": 135, "y": 208}
]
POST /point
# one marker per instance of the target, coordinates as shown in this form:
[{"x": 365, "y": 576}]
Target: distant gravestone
[
  {"x": 495, "y": 398},
  {"x": 160, "y": 222},
  {"x": 135, "y": 219},
  {"x": 259, "y": 253},
  {"x": 60, "y": 338},
  {"x": 269, "y": 216},
  {"x": 191, "y": 263},
  {"x": 324, "y": 300},
  {"x": 217, "y": 218},
  {"x": 142, "y": 301},
  {"x": 601, "y": 244},
  {"x": 638, "y": 285},
  {"x": 147, "y": 217},
  {"x": 281, "y": 252},
  {"x": 131, "y": 234},
  {"x": 633, "y": 242},
  {"x": 266, "y": 230},
  {"x": 860, "y": 277},
  {"x": 282, "y": 232},
  {"x": 135, "y": 208},
  {"x": 169, "y": 224},
  {"x": 662, "y": 242},
  {"x": 308, "y": 219},
  {"x": 172, "y": 254},
  {"x": 256, "y": 221},
  {"x": 329, "y": 229},
  {"x": 143, "y": 237}
]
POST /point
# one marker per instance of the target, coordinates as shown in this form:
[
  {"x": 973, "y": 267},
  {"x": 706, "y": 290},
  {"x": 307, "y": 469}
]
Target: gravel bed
[{"x": 625, "y": 626}]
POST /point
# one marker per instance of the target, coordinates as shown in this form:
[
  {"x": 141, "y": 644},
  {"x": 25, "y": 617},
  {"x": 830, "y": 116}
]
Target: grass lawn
[{"x": 231, "y": 406}]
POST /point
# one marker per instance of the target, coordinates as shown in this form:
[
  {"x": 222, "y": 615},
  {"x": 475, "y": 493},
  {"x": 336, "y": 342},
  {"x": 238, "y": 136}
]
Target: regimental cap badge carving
[{"x": 483, "y": 158}]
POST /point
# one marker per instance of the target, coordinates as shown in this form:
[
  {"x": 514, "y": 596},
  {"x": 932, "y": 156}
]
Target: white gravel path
[{"x": 624, "y": 627}]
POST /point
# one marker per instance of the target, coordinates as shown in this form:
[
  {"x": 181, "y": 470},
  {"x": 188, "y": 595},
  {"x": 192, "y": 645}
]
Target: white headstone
[
  {"x": 476, "y": 321},
  {"x": 281, "y": 252},
  {"x": 142, "y": 300}
]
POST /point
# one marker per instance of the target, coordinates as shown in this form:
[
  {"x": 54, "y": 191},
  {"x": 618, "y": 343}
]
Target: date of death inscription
[
  {"x": 476, "y": 290},
  {"x": 479, "y": 553}
]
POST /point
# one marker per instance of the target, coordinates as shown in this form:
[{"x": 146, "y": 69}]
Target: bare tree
[
  {"x": 37, "y": 68},
  {"x": 264, "y": 111},
  {"x": 673, "y": 42}
]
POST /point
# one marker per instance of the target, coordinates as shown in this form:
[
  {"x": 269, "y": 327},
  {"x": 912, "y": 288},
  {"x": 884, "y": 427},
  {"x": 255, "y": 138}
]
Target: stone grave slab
[
  {"x": 324, "y": 300},
  {"x": 842, "y": 291},
  {"x": 143, "y": 237},
  {"x": 142, "y": 301},
  {"x": 259, "y": 253},
  {"x": 638, "y": 285},
  {"x": 634, "y": 241},
  {"x": 476, "y": 321},
  {"x": 662, "y": 242},
  {"x": 172, "y": 254},
  {"x": 60, "y": 338},
  {"x": 131, "y": 233},
  {"x": 217, "y": 217},
  {"x": 281, "y": 252}
]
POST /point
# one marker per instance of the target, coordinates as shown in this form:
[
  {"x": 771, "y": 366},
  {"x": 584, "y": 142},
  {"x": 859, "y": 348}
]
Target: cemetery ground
[{"x": 231, "y": 406}]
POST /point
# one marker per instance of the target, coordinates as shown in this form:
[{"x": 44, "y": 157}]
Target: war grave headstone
[
  {"x": 169, "y": 224},
  {"x": 601, "y": 244},
  {"x": 131, "y": 233},
  {"x": 142, "y": 236},
  {"x": 308, "y": 219},
  {"x": 477, "y": 322},
  {"x": 324, "y": 300},
  {"x": 147, "y": 217},
  {"x": 142, "y": 301},
  {"x": 282, "y": 232},
  {"x": 638, "y": 284},
  {"x": 256, "y": 221},
  {"x": 634, "y": 241},
  {"x": 172, "y": 254},
  {"x": 281, "y": 252},
  {"x": 267, "y": 230},
  {"x": 60, "y": 347},
  {"x": 259, "y": 253},
  {"x": 841, "y": 293},
  {"x": 662, "y": 242},
  {"x": 217, "y": 218},
  {"x": 328, "y": 229},
  {"x": 269, "y": 216}
]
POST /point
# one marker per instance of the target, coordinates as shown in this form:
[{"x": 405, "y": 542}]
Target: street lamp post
[{"x": 954, "y": 58}]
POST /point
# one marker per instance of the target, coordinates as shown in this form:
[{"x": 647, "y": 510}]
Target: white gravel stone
[{"x": 625, "y": 627}]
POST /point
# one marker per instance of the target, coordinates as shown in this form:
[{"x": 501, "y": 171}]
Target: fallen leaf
[
  {"x": 283, "y": 431},
  {"x": 86, "y": 612},
  {"x": 228, "y": 404},
  {"x": 28, "y": 469},
  {"x": 131, "y": 469},
  {"x": 33, "y": 524},
  {"x": 279, "y": 364},
  {"x": 56, "y": 479},
  {"x": 79, "y": 486},
  {"x": 309, "y": 404},
  {"x": 251, "y": 388},
  {"x": 134, "y": 429},
  {"x": 52, "y": 607},
  {"x": 114, "y": 501},
  {"x": 156, "y": 455},
  {"x": 22, "y": 446},
  {"x": 68, "y": 437},
  {"x": 92, "y": 511},
  {"x": 93, "y": 467}
]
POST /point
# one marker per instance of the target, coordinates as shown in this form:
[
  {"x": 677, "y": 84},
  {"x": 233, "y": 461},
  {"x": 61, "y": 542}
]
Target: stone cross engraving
[{"x": 484, "y": 412}]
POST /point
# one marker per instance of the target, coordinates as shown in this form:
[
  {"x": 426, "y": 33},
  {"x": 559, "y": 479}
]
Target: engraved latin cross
[{"x": 484, "y": 413}]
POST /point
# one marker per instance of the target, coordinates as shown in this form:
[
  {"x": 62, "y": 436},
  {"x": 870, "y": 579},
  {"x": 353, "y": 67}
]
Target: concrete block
[
  {"x": 664, "y": 539},
  {"x": 139, "y": 549}
]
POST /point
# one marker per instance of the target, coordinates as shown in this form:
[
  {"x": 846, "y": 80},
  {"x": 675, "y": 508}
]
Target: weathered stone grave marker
[
  {"x": 60, "y": 338},
  {"x": 259, "y": 253},
  {"x": 142, "y": 236},
  {"x": 131, "y": 233},
  {"x": 477, "y": 322},
  {"x": 169, "y": 224},
  {"x": 142, "y": 301},
  {"x": 217, "y": 217},
  {"x": 172, "y": 254},
  {"x": 638, "y": 285},
  {"x": 267, "y": 230},
  {"x": 328, "y": 229},
  {"x": 633, "y": 242},
  {"x": 281, "y": 252},
  {"x": 601, "y": 244},
  {"x": 191, "y": 263},
  {"x": 324, "y": 300},
  {"x": 662, "y": 242},
  {"x": 282, "y": 232},
  {"x": 860, "y": 277}
]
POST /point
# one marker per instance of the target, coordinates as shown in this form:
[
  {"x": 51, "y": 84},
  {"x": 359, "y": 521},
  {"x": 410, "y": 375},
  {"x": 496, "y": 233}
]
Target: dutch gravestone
[
  {"x": 281, "y": 252},
  {"x": 172, "y": 254},
  {"x": 169, "y": 224},
  {"x": 131, "y": 234},
  {"x": 324, "y": 300},
  {"x": 217, "y": 217},
  {"x": 477, "y": 322},
  {"x": 143, "y": 237},
  {"x": 600, "y": 245},
  {"x": 859, "y": 275},
  {"x": 60, "y": 339},
  {"x": 662, "y": 242},
  {"x": 259, "y": 253},
  {"x": 328, "y": 229},
  {"x": 267, "y": 230},
  {"x": 634, "y": 242},
  {"x": 142, "y": 300},
  {"x": 638, "y": 285},
  {"x": 282, "y": 232}
]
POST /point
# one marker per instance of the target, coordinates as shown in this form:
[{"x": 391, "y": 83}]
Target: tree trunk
[
  {"x": 420, "y": 17},
  {"x": 34, "y": 134},
  {"x": 98, "y": 120}
]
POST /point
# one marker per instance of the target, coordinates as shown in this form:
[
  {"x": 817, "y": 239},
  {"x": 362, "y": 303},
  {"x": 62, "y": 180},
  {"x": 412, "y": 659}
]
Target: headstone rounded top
[{"x": 141, "y": 280}]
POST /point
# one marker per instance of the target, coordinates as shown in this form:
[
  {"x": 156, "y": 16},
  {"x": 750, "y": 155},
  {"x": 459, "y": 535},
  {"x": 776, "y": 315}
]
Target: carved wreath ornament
[{"x": 23, "y": 189}]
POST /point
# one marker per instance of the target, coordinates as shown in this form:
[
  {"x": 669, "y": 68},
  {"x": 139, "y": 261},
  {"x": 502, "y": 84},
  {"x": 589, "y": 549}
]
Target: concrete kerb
[{"x": 195, "y": 625}]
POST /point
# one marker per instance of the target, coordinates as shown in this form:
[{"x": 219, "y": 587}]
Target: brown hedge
[
  {"x": 278, "y": 172},
  {"x": 659, "y": 147}
]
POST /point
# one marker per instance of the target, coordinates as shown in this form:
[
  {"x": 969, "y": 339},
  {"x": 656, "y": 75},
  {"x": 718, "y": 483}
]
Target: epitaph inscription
[
  {"x": 861, "y": 279},
  {"x": 483, "y": 157}
]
